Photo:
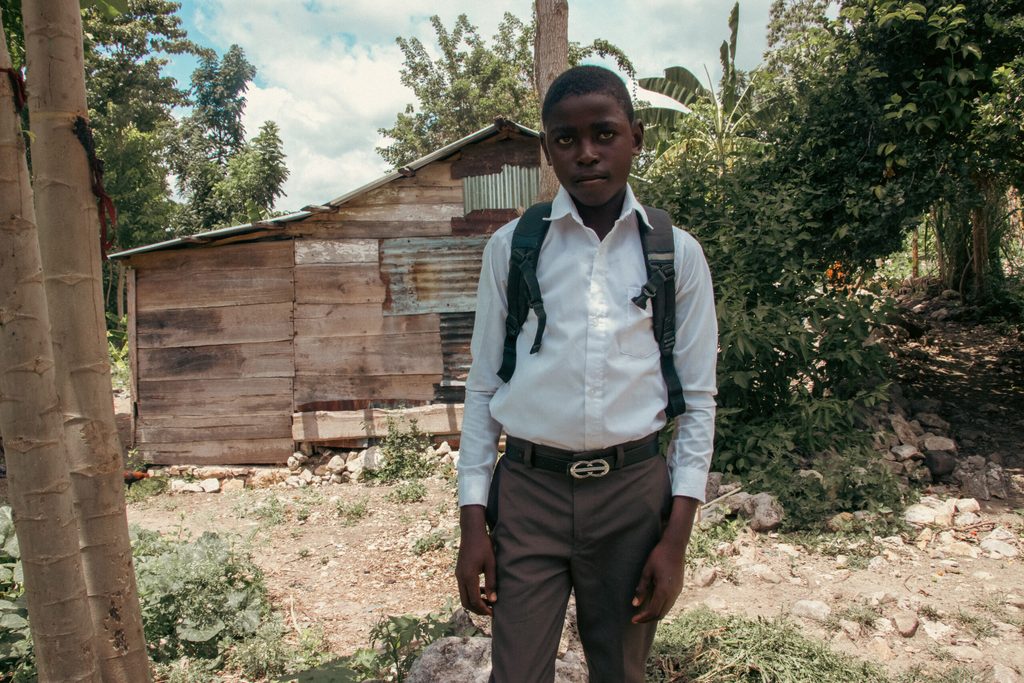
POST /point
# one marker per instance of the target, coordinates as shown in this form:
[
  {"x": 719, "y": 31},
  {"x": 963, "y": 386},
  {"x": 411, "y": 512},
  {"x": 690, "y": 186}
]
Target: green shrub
[
  {"x": 351, "y": 511},
  {"x": 435, "y": 540},
  {"x": 405, "y": 453},
  {"x": 198, "y": 596},
  {"x": 16, "y": 662},
  {"x": 408, "y": 492},
  {"x": 144, "y": 488}
]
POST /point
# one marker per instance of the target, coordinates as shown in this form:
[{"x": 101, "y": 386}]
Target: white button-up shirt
[{"x": 596, "y": 381}]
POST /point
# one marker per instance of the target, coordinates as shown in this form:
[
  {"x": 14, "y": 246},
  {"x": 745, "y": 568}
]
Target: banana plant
[{"x": 713, "y": 121}]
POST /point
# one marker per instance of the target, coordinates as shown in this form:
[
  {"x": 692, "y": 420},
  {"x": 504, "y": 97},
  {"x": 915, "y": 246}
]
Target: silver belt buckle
[{"x": 581, "y": 469}]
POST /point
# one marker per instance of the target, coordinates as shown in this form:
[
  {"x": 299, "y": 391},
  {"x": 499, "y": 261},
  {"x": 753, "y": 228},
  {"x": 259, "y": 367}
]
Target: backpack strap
[
  {"x": 659, "y": 255},
  {"x": 523, "y": 292}
]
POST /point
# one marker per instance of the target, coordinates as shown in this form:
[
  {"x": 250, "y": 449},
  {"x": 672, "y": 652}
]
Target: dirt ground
[{"x": 343, "y": 571}]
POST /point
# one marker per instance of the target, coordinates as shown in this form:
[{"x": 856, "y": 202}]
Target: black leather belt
[{"x": 581, "y": 465}]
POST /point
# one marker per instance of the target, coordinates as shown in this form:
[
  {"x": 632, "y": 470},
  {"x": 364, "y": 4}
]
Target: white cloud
[{"x": 328, "y": 70}]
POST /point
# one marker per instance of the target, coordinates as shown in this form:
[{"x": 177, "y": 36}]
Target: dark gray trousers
[{"x": 553, "y": 534}]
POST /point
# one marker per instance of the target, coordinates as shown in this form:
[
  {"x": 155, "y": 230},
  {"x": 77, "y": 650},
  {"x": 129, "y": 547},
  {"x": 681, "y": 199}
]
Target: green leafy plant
[
  {"x": 435, "y": 540},
  {"x": 404, "y": 450},
  {"x": 198, "y": 596},
  {"x": 351, "y": 511},
  {"x": 408, "y": 492},
  {"x": 16, "y": 660}
]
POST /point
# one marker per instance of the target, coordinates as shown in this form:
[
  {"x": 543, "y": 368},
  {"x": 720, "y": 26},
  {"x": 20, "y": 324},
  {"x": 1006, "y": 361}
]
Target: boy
[{"x": 618, "y": 535}]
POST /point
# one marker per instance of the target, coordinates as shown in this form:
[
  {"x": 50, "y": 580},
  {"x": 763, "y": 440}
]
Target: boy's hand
[
  {"x": 661, "y": 581},
  {"x": 476, "y": 557}
]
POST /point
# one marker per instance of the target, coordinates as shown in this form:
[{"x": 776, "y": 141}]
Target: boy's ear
[
  {"x": 544, "y": 146},
  {"x": 637, "y": 129}
]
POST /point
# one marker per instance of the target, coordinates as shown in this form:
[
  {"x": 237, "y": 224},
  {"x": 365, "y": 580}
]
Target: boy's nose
[{"x": 587, "y": 154}]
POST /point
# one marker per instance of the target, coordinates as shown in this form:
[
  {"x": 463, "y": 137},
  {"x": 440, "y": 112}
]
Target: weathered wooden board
[
  {"x": 220, "y": 325},
  {"x": 437, "y": 174},
  {"x": 133, "y": 347},
  {"x": 482, "y": 221},
  {"x": 398, "y": 213},
  {"x": 431, "y": 275},
  {"x": 339, "y": 284},
  {"x": 406, "y": 193},
  {"x": 160, "y": 290},
  {"x": 189, "y": 428},
  {"x": 228, "y": 452},
  {"x": 417, "y": 353},
  {"x": 313, "y": 251},
  {"x": 372, "y": 422},
  {"x": 268, "y": 254},
  {"x": 456, "y": 335},
  {"x": 323, "y": 388},
  {"x": 214, "y": 397},
  {"x": 353, "y": 320},
  {"x": 224, "y": 361},
  {"x": 334, "y": 229}
]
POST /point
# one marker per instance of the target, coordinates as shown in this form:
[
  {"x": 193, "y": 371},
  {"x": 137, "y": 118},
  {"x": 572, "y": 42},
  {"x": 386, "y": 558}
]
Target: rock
[
  {"x": 998, "y": 549},
  {"x": 880, "y": 650},
  {"x": 1002, "y": 673},
  {"x": 842, "y": 521},
  {"x": 321, "y": 470},
  {"x": 937, "y": 630},
  {"x": 965, "y": 653},
  {"x": 904, "y": 432},
  {"x": 192, "y": 487},
  {"x": 966, "y": 519},
  {"x": 705, "y": 576},
  {"x": 265, "y": 477},
  {"x": 1013, "y": 600},
  {"x": 882, "y": 598},
  {"x": 336, "y": 464},
  {"x": 815, "y": 610},
  {"x": 373, "y": 459},
  {"x": 231, "y": 485},
  {"x": 938, "y": 444},
  {"x": 940, "y": 463},
  {"x": 339, "y": 478},
  {"x": 765, "y": 512},
  {"x": 932, "y": 420},
  {"x": 458, "y": 660},
  {"x": 713, "y": 484},
  {"x": 715, "y": 603},
  {"x": 906, "y": 624},
  {"x": 919, "y": 514},
  {"x": 306, "y": 475},
  {"x": 877, "y": 564},
  {"x": 851, "y": 628},
  {"x": 178, "y": 485},
  {"x": 765, "y": 573},
  {"x": 809, "y": 474},
  {"x": 295, "y": 481},
  {"x": 906, "y": 452},
  {"x": 216, "y": 472},
  {"x": 735, "y": 503},
  {"x": 443, "y": 450}
]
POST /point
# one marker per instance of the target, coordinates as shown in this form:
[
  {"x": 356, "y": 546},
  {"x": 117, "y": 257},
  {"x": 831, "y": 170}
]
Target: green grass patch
[
  {"x": 703, "y": 647},
  {"x": 435, "y": 540},
  {"x": 705, "y": 541},
  {"x": 145, "y": 488}
]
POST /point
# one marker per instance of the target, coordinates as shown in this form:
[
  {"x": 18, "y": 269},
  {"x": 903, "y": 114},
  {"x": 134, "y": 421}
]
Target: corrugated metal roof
[
  {"x": 431, "y": 274},
  {"x": 514, "y": 187},
  {"x": 445, "y": 151}
]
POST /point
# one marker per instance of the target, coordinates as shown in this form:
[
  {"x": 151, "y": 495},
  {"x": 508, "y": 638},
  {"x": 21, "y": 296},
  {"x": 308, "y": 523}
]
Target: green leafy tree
[
  {"x": 223, "y": 178},
  {"x": 471, "y": 83}
]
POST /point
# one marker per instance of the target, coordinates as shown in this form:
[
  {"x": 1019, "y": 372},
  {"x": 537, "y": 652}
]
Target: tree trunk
[
  {"x": 30, "y": 421},
  {"x": 70, "y": 248},
  {"x": 550, "y": 58}
]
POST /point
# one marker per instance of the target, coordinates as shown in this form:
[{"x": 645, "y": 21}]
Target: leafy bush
[
  {"x": 408, "y": 492},
  {"x": 405, "y": 453},
  {"x": 16, "y": 663},
  {"x": 198, "y": 597},
  {"x": 435, "y": 540},
  {"x": 351, "y": 511}
]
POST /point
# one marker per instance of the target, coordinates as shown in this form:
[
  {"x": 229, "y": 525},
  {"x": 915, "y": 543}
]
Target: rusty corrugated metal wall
[{"x": 514, "y": 187}]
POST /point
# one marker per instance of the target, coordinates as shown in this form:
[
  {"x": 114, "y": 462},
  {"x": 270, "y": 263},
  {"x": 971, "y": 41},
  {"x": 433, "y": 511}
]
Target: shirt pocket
[{"x": 636, "y": 337}]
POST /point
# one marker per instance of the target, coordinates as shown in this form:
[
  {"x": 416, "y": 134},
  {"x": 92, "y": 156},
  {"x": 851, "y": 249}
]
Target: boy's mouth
[{"x": 586, "y": 179}]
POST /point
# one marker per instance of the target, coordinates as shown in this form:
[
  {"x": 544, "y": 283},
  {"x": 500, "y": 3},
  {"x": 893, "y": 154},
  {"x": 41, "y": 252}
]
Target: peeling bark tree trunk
[
  {"x": 30, "y": 421},
  {"x": 550, "y": 58},
  {"x": 69, "y": 244}
]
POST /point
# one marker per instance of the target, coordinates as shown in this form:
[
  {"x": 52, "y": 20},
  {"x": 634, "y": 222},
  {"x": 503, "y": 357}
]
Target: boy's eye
[
  {"x": 605, "y": 135},
  {"x": 564, "y": 140}
]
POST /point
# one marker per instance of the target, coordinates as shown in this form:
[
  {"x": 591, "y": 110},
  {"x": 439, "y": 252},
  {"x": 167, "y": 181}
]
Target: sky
[{"x": 328, "y": 70}]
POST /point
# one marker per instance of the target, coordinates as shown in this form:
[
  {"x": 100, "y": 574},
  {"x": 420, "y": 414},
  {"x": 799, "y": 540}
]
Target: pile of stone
[
  {"x": 326, "y": 468},
  {"x": 955, "y": 527},
  {"x": 762, "y": 511},
  {"x": 917, "y": 445}
]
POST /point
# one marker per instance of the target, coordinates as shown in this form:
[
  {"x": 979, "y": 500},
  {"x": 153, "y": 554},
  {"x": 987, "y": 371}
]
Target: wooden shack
[{"x": 249, "y": 341}]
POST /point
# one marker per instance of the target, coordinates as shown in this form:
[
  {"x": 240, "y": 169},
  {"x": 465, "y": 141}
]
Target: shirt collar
[{"x": 562, "y": 205}]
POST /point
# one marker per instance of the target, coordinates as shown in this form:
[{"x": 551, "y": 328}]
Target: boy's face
[{"x": 590, "y": 144}]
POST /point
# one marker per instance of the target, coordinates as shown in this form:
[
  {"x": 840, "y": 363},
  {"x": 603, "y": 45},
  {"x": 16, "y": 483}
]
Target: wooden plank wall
[{"x": 214, "y": 351}]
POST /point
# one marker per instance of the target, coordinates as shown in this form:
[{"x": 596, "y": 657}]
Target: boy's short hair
[{"x": 585, "y": 80}]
